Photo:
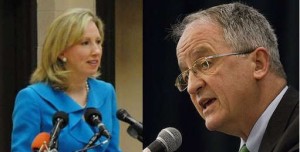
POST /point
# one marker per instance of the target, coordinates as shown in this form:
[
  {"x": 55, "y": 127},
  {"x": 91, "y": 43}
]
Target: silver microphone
[{"x": 168, "y": 140}]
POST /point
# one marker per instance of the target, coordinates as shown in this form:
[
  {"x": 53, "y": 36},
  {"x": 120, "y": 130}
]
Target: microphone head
[
  {"x": 171, "y": 138},
  {"x": 39, "y": 140},
  {"x": 122, "y": 114},
  {"x": 61, "y": 115},
  {"x": 89, "y": 114}
]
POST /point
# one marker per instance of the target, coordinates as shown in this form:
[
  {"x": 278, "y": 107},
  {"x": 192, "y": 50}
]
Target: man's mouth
[{"x": 205, "y": 103}]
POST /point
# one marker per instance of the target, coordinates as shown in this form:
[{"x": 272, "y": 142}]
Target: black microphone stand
[{"x": 92, "y": 141}]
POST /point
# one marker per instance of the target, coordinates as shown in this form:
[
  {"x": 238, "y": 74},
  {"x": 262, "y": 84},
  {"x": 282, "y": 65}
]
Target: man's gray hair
[{"x": 244, "y": 29}]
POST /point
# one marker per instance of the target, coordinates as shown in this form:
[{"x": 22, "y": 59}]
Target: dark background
[
  {"x": 164, "y": 106},
  {"x": 18, "y": 49}
]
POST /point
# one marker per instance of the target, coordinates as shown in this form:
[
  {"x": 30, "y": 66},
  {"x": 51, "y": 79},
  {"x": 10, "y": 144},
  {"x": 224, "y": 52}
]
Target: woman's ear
[
  {"x": 262, "y": 62},
  {"x": 61, "y": 55},
  {"x": 62, "y": 58}
]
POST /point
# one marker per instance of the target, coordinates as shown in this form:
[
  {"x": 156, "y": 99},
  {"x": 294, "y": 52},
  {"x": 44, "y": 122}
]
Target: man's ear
[{"x": 262, "y": 62}]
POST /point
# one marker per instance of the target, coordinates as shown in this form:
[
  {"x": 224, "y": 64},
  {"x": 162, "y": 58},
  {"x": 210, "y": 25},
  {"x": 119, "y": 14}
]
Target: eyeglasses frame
[{"x": 177, "y": 81}]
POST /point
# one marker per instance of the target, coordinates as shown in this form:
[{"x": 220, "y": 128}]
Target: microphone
[
  {"x": 168, "y": 140},
  {"x": 40, "y": 142},
  {"x": 135, "y": 129},
  {"x": 94, "y": 118},
  {"x": 60, "y": 120},
  {"x": 133, "y": 133}
]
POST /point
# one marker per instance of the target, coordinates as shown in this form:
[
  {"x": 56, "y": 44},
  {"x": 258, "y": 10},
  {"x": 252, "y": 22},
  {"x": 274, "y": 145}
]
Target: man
[{"x": 230, "y": 66}]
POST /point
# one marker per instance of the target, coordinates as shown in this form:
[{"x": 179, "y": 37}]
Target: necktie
[{"x": 244, "y": 149}]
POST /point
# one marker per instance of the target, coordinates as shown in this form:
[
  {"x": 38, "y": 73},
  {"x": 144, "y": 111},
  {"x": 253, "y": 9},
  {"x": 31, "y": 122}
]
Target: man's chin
[
  {"x": 211, "y": 125},
  {"x": 210, "y": 128}
]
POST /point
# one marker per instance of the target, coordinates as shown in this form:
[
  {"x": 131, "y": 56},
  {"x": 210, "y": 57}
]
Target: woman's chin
[{"x": 91, "y": 73}]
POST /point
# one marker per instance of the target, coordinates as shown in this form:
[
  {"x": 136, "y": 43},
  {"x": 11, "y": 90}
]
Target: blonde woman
[{"x": 65, "y": 80}]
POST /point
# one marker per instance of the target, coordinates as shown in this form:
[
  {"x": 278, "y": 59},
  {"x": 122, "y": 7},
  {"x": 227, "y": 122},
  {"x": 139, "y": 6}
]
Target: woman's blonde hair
[{"x": 66, "y": 30}]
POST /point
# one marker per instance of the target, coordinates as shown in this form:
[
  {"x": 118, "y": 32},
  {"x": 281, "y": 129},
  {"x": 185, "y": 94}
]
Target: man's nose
[{"x": 195, "y": 83}]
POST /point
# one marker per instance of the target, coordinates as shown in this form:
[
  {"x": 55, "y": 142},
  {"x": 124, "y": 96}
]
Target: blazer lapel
[
  {"x": 279, "y": 121},
  {"x": 58, "y": 99},
  {"x": 77, "y": 127}
]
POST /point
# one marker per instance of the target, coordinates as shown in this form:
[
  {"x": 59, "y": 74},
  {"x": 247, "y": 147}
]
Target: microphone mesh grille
[{"x": 171, "y": 137}]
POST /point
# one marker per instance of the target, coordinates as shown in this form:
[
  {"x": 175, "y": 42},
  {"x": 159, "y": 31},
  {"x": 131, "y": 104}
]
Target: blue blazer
[{"x": 36, "y": 104}]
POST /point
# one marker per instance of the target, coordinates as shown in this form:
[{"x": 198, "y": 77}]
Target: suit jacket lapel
[
  {"x": 279, "y": 121},
  {"x": 77, "y": 127},
  {"x": 56, "y": 98}
]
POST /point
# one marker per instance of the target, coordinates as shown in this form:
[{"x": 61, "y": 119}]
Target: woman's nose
[{"x": 96, "y": 48}]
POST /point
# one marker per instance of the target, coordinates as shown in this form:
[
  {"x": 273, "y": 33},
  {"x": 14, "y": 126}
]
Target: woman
[{"x": 64, "y": 80}]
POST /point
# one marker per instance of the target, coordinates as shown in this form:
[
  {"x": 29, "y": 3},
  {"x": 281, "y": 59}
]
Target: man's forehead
[
  {"x": 186, "y": 35},
  {"x": 193, "y": 31}
]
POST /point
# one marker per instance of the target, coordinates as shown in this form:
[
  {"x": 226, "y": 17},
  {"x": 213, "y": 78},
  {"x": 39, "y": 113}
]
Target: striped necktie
[{"x": 244, "y": 149}]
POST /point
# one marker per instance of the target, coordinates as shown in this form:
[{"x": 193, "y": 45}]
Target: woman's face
[{"x": 84, "y": 57}]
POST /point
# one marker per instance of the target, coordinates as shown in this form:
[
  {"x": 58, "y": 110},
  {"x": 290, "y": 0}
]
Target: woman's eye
[
  {"x": 85, "y": 43},
  {"x": 98, "y": 41}
]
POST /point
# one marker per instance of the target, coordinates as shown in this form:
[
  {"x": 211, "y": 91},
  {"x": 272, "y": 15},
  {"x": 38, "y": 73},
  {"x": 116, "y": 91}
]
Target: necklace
[
  {"x": 79, "y": 99},
  {"x": 87, "y": 92},
  {"x": 87, "y": 87}
]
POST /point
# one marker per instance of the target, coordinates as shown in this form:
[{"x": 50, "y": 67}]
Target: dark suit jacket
[{"x": 282, "y": 132}]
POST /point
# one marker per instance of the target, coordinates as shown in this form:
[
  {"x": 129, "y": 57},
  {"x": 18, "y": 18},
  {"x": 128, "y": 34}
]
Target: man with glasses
[{"x": 229, "y": 58}]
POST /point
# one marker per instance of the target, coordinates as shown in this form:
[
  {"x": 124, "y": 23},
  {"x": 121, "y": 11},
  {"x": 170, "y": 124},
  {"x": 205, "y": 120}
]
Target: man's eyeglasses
[{"x": 204, "y": 65}]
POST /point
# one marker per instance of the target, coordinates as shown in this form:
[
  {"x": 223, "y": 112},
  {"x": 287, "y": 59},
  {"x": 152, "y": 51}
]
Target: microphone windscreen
[
  {"x": 39, "y": 140},
  {"x": 89, "y": 113},
  {"x": 171, "y": 138},
  {"x": 61, "y": 115},
  {"x": 121, "y": 114}
]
